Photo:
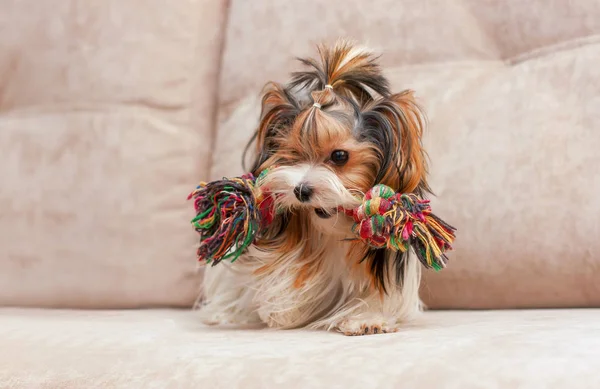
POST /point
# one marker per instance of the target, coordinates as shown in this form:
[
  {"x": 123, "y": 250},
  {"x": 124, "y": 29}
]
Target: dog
[{"x": 328, "y": 135}]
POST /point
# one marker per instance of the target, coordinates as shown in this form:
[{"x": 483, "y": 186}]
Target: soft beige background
[
  {"x": 512, "y": 91},
  {"x": 106, "y": 110}
]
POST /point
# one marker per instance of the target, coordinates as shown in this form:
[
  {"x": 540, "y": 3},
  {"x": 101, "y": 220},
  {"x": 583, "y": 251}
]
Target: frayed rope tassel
[
  {"x": 395, "y": 221},
  {"x": 229, "y": 214}
]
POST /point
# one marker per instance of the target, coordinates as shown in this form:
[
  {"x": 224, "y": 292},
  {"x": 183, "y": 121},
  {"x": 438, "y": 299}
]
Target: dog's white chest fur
[
  {"x": 303, "y": 285},
  {"x": 310, "y": 285}
]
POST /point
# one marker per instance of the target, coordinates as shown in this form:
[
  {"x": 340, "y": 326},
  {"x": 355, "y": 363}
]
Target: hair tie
[
  {"x": 328, "y": 86},
  {"x": 317, "y": 105}
]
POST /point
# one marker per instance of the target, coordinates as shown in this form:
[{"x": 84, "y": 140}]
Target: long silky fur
[{"x": 303, "y": 271}]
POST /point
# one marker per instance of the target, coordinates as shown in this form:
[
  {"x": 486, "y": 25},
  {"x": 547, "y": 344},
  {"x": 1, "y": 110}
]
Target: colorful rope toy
[
  {"x": 230, "y": 214},
  {"x": 396, "y": 221}
]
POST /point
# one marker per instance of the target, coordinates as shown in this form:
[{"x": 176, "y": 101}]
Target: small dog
[{"x": 334, "y": 131}]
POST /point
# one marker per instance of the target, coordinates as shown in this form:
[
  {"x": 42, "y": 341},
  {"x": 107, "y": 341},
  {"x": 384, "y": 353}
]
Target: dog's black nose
[{"x": 303, "y": 192}]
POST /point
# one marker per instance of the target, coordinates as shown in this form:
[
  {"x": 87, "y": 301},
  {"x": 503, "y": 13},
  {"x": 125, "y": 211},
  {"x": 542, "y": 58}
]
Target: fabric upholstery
[
  {"x": 511, "y": 92},
  {"x": 169, "y": 349},
  {"x": 107, "y": 112},
  {"x": 106, "y": 116}
]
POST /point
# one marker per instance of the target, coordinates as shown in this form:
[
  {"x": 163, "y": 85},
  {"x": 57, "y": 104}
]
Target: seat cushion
[
  {"x": 105, "y": 127},
  {"x": 512, "y": 95},
  {"x": 169, "y": 349}
]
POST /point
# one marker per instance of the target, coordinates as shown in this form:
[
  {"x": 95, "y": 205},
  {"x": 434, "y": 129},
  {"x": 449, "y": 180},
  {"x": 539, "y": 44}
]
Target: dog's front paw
[{"x": 366, "y": 326}]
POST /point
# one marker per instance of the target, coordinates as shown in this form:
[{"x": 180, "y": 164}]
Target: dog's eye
[{"x": 339, "y": 157}]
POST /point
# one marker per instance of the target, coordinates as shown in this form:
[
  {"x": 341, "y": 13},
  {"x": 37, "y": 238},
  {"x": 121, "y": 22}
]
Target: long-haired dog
[{"x": 334, "y": 131}]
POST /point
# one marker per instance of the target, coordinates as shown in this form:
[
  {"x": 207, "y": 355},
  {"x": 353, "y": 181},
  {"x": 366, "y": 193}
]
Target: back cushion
[
  {"x": 513, "y": 99},
  {"x": 105, "y": 126}
]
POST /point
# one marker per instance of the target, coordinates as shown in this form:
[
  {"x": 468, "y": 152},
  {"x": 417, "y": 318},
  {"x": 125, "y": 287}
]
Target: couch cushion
[
  {"x": 511, "y": 92},
  {"x": 169, "y": 349},
  {"x": 105, "y": 124}
]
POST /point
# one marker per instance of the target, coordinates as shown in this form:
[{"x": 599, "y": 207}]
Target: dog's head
[{"x": 335, "y": 130}]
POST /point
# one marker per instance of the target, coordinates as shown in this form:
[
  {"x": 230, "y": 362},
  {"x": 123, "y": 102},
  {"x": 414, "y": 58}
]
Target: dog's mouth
[{"x": 324, "y": 214}]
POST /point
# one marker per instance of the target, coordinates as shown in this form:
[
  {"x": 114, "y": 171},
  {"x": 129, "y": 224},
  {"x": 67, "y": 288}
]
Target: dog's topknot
[{"x": 349, "y": 70}]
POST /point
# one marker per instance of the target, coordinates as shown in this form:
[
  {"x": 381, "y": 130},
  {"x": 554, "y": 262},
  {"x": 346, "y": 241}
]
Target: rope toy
[
  {"x": 230, "y": 214},
  {"x": 397, "y": 221}
]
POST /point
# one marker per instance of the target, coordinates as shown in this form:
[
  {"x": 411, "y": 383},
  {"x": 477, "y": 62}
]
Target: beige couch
[{"x": 111, "y": 111}]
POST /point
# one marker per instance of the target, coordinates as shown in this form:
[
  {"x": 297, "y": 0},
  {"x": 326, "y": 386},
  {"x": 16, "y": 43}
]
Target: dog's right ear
[{"x": 279, "y": 109}]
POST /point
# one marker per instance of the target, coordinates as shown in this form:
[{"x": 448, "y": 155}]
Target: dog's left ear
[
  {"x": 395, "y": 124},
  {"x": 279, "y": 109}
]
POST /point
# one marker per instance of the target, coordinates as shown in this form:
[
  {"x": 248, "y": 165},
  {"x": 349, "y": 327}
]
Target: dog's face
[
  {"x": 321, "y": 161},
  {"x": 327, "y": 151}
]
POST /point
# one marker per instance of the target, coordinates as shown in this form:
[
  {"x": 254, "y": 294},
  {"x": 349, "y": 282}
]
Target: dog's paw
[{"x": 366, "y": 326}]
